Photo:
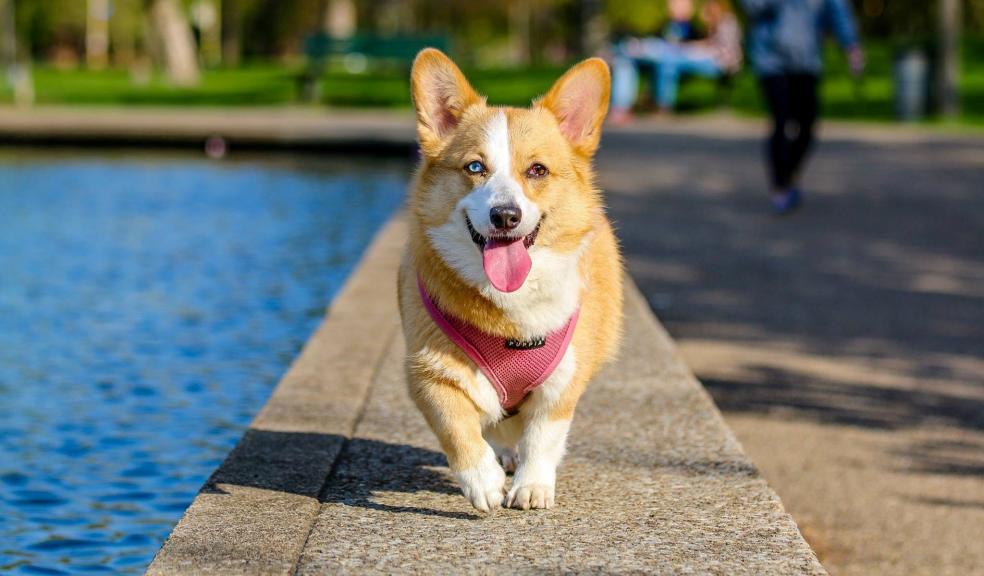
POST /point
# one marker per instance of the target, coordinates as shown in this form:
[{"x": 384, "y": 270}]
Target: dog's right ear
[{"x": 441, "y": 94}]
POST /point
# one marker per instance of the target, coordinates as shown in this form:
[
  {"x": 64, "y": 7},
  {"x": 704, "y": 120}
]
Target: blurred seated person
[
  {"x": 717, "y": 55},
  {"x": 680, "y": 26}
]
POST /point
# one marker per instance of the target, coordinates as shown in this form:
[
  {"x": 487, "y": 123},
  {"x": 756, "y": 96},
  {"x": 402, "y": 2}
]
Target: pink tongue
[{"x": 507, "y": 263}]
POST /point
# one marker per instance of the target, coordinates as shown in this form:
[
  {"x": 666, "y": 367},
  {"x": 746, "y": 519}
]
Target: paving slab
[
  {"x": 843, "y": 343},
  {"x": 248, "y": 127},
  {"x": 255, "y": 512},
  {"x": 363, "y": 130},
  {"x": 885, "y": 270},
  {"x": 339, "y": 473}
]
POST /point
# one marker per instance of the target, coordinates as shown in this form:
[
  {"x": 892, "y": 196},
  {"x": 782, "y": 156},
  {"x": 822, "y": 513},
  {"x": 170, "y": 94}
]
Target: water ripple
[{"x": 147, "y": 307}]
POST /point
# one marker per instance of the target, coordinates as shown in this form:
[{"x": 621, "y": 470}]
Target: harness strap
[{"x": 513, "y": 368}]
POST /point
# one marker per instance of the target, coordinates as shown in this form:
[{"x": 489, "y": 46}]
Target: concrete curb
[
  {"x": 355, "y": 130},
  {"x": 255, "y": 512},
  {"x": 339, "y": 474},
  {"x": 242, "y": 128}
]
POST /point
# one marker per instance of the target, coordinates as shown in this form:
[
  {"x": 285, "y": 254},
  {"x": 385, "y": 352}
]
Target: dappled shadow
[
  {"x": 368, "y": 467},
  {"x": 764, "y": 389},
  {"x": 886, "y": 262},
  {"x": 952, "y": 457},
  {"x": 334, "y": 469},
  {"x": 293, "y": 462},
  {"x": 948, "y": 502}
]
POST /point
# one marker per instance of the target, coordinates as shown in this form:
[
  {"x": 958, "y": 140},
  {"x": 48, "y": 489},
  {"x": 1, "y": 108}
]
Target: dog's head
[{"x": 501, "y": 190}]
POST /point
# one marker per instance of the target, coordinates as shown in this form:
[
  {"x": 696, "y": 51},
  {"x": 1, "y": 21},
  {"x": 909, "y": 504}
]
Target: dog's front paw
[
  {"x": 526, "y": 496},
  {"x": 484, "y": 484}
]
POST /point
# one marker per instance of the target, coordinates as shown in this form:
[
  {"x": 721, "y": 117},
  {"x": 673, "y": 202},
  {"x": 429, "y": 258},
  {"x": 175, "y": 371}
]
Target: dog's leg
[
  {"x": 540, "y": 452},
  {"x": 546, "y": 419},
  {"x": 456, "y": 421},
  {"x": 504, "y": 437},
  {"x": 508, "y": 457}
]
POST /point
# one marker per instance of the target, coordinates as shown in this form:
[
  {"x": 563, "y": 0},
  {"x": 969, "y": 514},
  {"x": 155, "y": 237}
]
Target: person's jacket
[{"x": 785, "y": 36}]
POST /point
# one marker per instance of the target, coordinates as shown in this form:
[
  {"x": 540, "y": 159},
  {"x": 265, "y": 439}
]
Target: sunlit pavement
[
  {"x": 340, "y": 473},
  {"x": 843, "y": 343}
]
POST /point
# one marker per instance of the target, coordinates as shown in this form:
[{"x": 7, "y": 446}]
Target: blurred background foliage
[
  {"x": 253, "y": 51},
  {"x": 484, "y": 33}
]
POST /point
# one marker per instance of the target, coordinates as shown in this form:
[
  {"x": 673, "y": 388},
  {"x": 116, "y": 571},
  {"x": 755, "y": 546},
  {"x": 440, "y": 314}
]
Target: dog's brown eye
[{"x": 537, "y": 171}]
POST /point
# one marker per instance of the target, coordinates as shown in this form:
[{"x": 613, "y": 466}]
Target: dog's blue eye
[{"x": 475, "y": 167}]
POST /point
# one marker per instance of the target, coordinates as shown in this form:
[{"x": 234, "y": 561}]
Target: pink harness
[{"x": 514, "y": 368}]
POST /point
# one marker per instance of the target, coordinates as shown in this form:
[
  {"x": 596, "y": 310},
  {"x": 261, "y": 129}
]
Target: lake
[{"x": 149, "y": 302}]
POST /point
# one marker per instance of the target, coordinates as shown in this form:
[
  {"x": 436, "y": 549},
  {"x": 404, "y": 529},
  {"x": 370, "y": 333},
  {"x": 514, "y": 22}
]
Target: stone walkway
[
  {"x": 843, "y": 344},
  {"x": 296, "y": 128},
  {"x": 339, "y": 472}
]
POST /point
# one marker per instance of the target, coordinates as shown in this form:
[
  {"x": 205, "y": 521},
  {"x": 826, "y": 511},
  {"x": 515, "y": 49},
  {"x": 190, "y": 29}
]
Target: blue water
[{"x": 148, "y": 305}]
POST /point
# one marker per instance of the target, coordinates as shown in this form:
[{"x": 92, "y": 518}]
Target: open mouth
[
  {"x": 482, "y": 241},
  {"x": 505, "y": 259}
]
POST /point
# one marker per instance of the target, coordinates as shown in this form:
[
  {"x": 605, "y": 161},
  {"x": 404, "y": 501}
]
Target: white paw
[
  {"x": 484, "y": 484},
  {"x": 509, "y": 458},
  {"x": 526, "y": 496}
]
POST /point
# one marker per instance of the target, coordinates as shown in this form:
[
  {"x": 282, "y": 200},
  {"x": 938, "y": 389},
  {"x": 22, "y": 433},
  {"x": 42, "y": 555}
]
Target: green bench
[{"x": 398, "y": 50}]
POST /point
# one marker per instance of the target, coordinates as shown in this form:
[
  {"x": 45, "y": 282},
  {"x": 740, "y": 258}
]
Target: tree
[
  {"x": 232, "y": 32},
  {"x": 97, "y": 34},
  {"x": 8, "y": 33},
  {"x": 948, "y": 81},
  {"x": 207, "y": 18},
  {"x": 339, "y": 18},
  {"x": 175, "y": 41},
  {"x": 591, "y": 26}
]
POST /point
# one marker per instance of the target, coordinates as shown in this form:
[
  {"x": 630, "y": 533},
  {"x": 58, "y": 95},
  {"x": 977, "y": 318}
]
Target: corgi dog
[{"x": 510, "y": 288}]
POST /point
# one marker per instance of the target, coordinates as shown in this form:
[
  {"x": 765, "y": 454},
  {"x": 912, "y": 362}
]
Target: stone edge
[
  {"x": 307, "y": 402},
  {"x": 297, "y": 435}
]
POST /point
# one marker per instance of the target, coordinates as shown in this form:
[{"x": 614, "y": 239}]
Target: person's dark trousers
[{"x": 792, "y": 100}]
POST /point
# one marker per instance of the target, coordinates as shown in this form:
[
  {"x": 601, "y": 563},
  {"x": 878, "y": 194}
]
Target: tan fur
[{"x": 451, "y": 127}]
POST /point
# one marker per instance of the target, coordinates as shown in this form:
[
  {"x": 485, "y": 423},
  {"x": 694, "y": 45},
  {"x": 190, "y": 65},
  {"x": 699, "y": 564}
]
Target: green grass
[
  {"x": 233, "y": 87},
  {"x": 391, "y": 88},
  {"x": 271, "y": 84},
  {"x": 842, "y": 96},
  {"x": 264, "y": 84}
]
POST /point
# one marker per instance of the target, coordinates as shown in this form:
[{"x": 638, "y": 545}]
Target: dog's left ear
[{"x": 579, "y": 101}]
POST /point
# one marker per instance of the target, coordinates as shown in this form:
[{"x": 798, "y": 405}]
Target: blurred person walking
[{"x": 785, "y": 41}]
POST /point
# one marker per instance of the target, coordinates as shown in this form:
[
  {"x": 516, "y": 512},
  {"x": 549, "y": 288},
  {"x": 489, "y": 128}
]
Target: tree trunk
[
  {"x": 232, "y": 32},
  {"x": 8, "y": 34},
  {"x": 519, "y": 31},
  {"x": 177, "y": 45},
  {"x": 593, "y": 27},
  {"x": 207, "y": 17},
  {"x": 97, "y": 34},
  {"x": 340, "y": 18},
  {"x": 948, "y": 83}
]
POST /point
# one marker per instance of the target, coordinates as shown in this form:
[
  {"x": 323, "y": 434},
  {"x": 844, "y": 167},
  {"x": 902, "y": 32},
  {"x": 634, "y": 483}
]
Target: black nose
[{"x": 505, "y": 217}]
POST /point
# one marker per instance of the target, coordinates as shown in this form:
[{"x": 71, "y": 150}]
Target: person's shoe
[{"x": 786, "y": 202}]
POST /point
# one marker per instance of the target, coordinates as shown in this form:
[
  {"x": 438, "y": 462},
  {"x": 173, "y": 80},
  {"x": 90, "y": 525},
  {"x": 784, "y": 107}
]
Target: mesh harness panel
[{"x": 514, "y": 368}]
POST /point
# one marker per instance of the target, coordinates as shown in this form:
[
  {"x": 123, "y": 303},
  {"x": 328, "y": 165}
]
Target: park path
[
  {"x": 339, "y": 473},
  {"x": 844, "y": 343}
]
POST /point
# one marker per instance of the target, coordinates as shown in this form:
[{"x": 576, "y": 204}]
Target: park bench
[
  {"x": 723, "y": 86},
  {"x": 395, "y": 50}
]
